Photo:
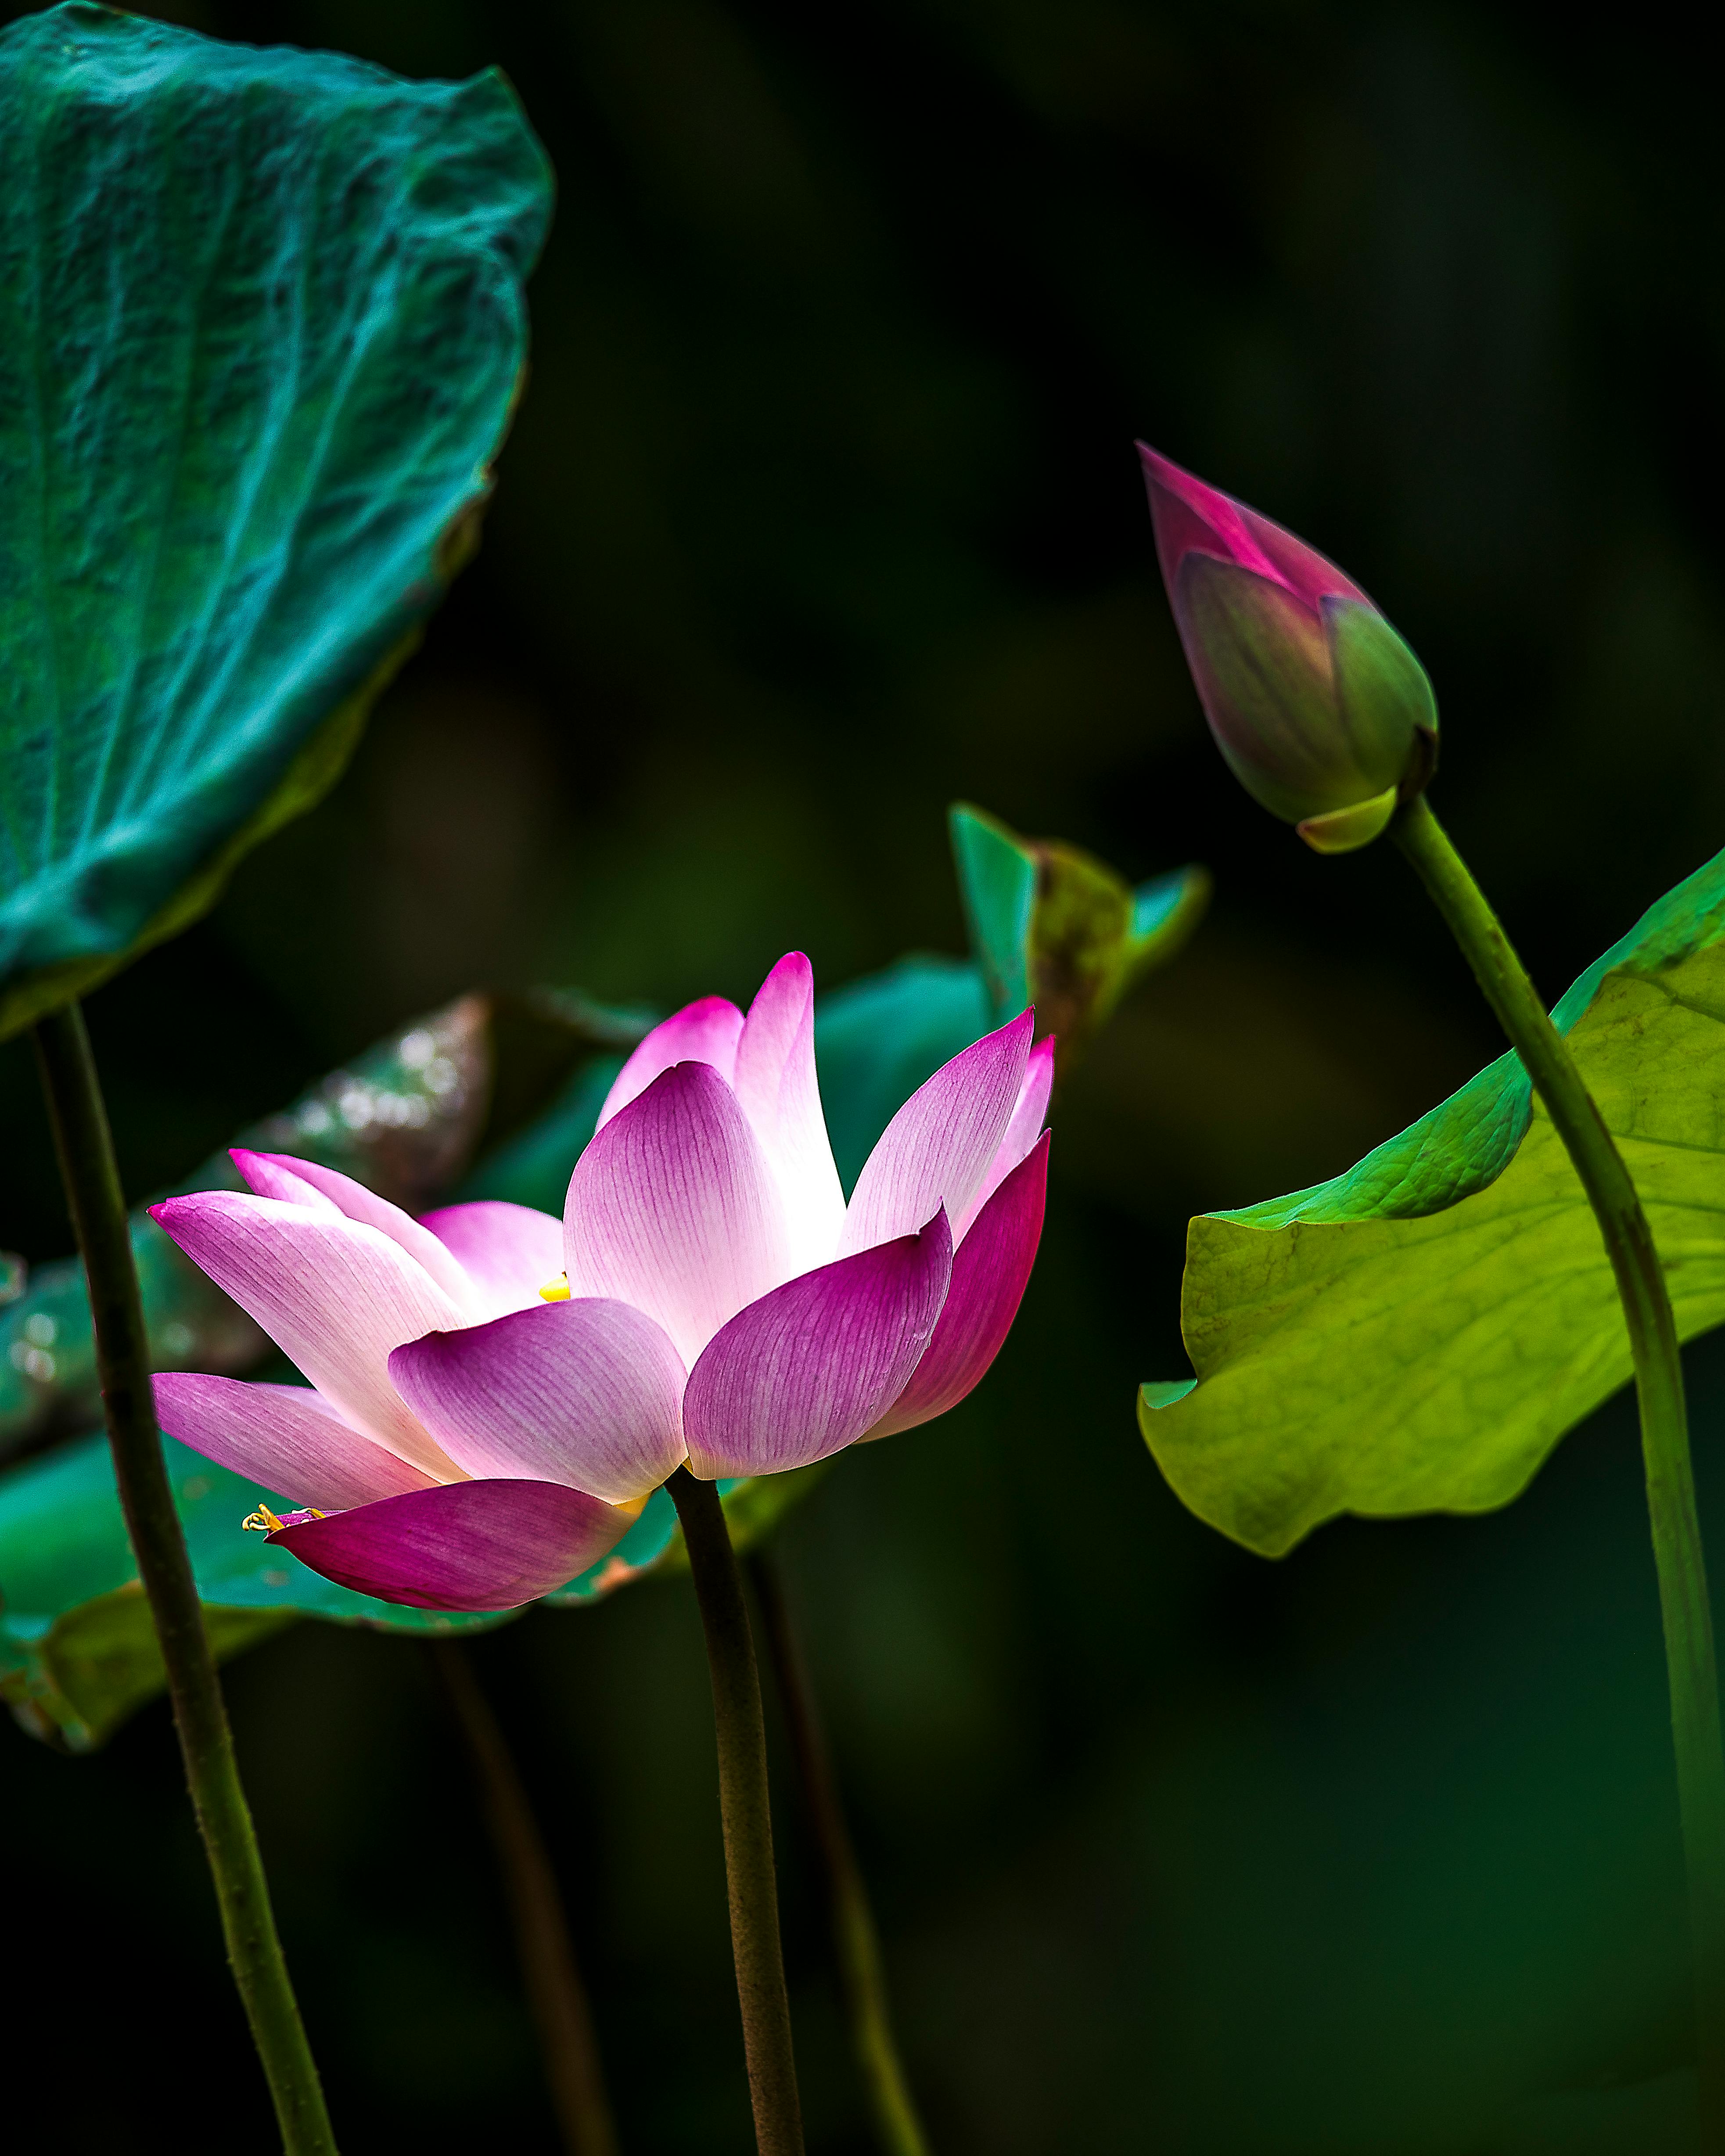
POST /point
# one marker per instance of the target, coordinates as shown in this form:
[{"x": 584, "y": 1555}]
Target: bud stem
[{"x": 1665, "y": 1430}]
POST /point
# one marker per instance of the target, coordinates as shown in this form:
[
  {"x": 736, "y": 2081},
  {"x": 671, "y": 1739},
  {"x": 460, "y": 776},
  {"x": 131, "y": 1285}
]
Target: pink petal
[
  {"x": 589, "y": 1394},
  {"x": 990, "y": 1269},
  {"x": 263, "y": 1169},
  {"x": 335, "y": 1296},
  {"x": 939, "y": 1145},
  {"x": 489, "y": 1545},
  {"x": 673, "y": 1208},
  {"x": 508, "y": 1252},
  {"x": 704, "y": 1032},
  {"x": 1022, "y": 1132},
  {"x": 775, "y": 1081},
  {"x": 808, "y": 1368},
  {"x": 1190, "y": 517},
  {"x": 271, "y": 1175},
  {"x": 285, "y": 1437}
]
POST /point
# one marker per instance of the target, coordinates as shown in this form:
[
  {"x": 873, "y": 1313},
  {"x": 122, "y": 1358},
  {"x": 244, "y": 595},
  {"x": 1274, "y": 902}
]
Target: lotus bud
[{"x": 1324, "y": 714}]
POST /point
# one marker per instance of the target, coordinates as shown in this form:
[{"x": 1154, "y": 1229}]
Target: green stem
[
  {"x": 1665, "y": 1431},
  {"x": 555, "y": 1995},
  {"x": 856, "y": 1943},
  {"x": 86, "y": 1150},
  {"x": 746, "y": 1816}
]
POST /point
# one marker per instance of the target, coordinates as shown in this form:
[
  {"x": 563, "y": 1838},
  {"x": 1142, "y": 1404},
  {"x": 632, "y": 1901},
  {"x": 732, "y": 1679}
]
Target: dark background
[{"x": 822, "y": 510}]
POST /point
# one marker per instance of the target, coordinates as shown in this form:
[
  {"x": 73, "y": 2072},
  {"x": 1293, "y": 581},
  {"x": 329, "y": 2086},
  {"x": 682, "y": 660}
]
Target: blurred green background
[{"x": 821, "y": 510}]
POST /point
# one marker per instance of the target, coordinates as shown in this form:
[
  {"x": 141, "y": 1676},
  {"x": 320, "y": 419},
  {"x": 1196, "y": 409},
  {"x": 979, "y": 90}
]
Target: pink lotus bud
[{"x": 1323, "y": 713}]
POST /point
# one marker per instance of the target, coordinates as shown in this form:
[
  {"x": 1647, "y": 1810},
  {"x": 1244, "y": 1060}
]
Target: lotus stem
[
  {"x": 85, "y": 1149},
  {"x": 856, "y": 1942},
  {"x": 556, "y": 1997},
  {"x": 1646, "y": 1303},
  {"x": 746, "y": 1815}
]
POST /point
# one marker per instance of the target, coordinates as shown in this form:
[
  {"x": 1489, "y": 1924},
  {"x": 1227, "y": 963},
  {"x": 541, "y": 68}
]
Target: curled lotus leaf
[{"x": 1416, "y": 1334}]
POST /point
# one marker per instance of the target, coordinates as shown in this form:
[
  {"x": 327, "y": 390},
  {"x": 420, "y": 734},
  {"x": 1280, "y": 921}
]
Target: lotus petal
[
  {"x": 673, "y": 1208},
  {"x": 335, "y": 1296},
  {"x": 703, "y": 1032},
  {"x": 775, "y": 1081},
  {"x": 287, "y": 1437},
  {"x": 938, "y": 1147},
  {"x": 1022, "y": 1132},
  {"x": 990, "y": 1269},
  {"x": 508, "y": 1252},
  {"x": 486, "y": 1545},
  {"x": 807, "y": 1369},
  {"x": 585, "y": 1392},
  {"x": 356, "y": 1202}
]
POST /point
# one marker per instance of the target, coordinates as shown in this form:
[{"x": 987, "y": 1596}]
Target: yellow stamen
[
  {"x": 263, "y": 1521},
  {"x": 556, "y": 1290}
]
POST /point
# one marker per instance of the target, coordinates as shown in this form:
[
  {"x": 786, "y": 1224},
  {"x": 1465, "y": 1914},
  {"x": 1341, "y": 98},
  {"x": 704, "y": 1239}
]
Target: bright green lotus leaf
[
  {"x": 261, "y": 324},
  {"x": 1051, "y": 925},
  {"x": 1417, "y": 1334}
]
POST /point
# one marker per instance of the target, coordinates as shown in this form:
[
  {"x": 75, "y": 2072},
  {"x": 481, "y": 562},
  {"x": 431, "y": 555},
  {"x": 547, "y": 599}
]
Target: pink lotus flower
[
  {"x": 479, "y": 1427},
  {"x": 1323, "y": 712}
]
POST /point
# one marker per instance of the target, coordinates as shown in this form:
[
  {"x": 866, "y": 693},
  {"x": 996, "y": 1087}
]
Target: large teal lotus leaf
[
  {"x": 261, "y": 324},
  {"x": 1417, "y": 1334}
]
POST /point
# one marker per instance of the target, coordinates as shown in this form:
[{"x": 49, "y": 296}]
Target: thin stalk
[
  {"x": 746, "y": 1816},
  {"x": 1665, "y": 1431},
  {"x": 856, "y": 1943},
  {"x": 557, "y": 1997},
  {"x": 86, "y": 1150}
]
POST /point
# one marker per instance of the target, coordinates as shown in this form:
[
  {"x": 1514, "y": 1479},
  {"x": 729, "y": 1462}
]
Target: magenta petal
[
  {"x": 508, "y": 1252},
  {"x": 808, "y": 1368},
  {"x": 489, "y": 1545},
  {"x": 775, "y": 1081},
  {"x": 1022, "y": 1132},
  {"x": 272, "y": 1175},
  {"x": 938, "y": 1147},
  {"x": 991, "y": 1268},
  {"x": 704, "y": 1032},
  {"x": 673, "y": 1208},
  {"x": 334, "y": 1295},
  {"x": 1191, "y": 517},
  {"x": 284, "y": 1436},
  {"x": 584, "y": 1392},
  {"x": 356, "y": 1202}
]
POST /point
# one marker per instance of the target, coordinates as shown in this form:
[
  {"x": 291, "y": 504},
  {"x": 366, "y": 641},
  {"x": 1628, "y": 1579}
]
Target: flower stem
[
  {"x": 86, "y": 1151},
  {"x": 555, "y": 1995},
  {"x": 856, "y": 1943},
  {"x": 1665, "y": 1431},
  {"x": 746, "y": 1816}
]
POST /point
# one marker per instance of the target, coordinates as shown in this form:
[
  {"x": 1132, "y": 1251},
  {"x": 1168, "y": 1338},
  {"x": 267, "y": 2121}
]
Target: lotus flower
[
  {"x": 1323, "y": 712},
  {"x": 494, "y": 1393}
]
